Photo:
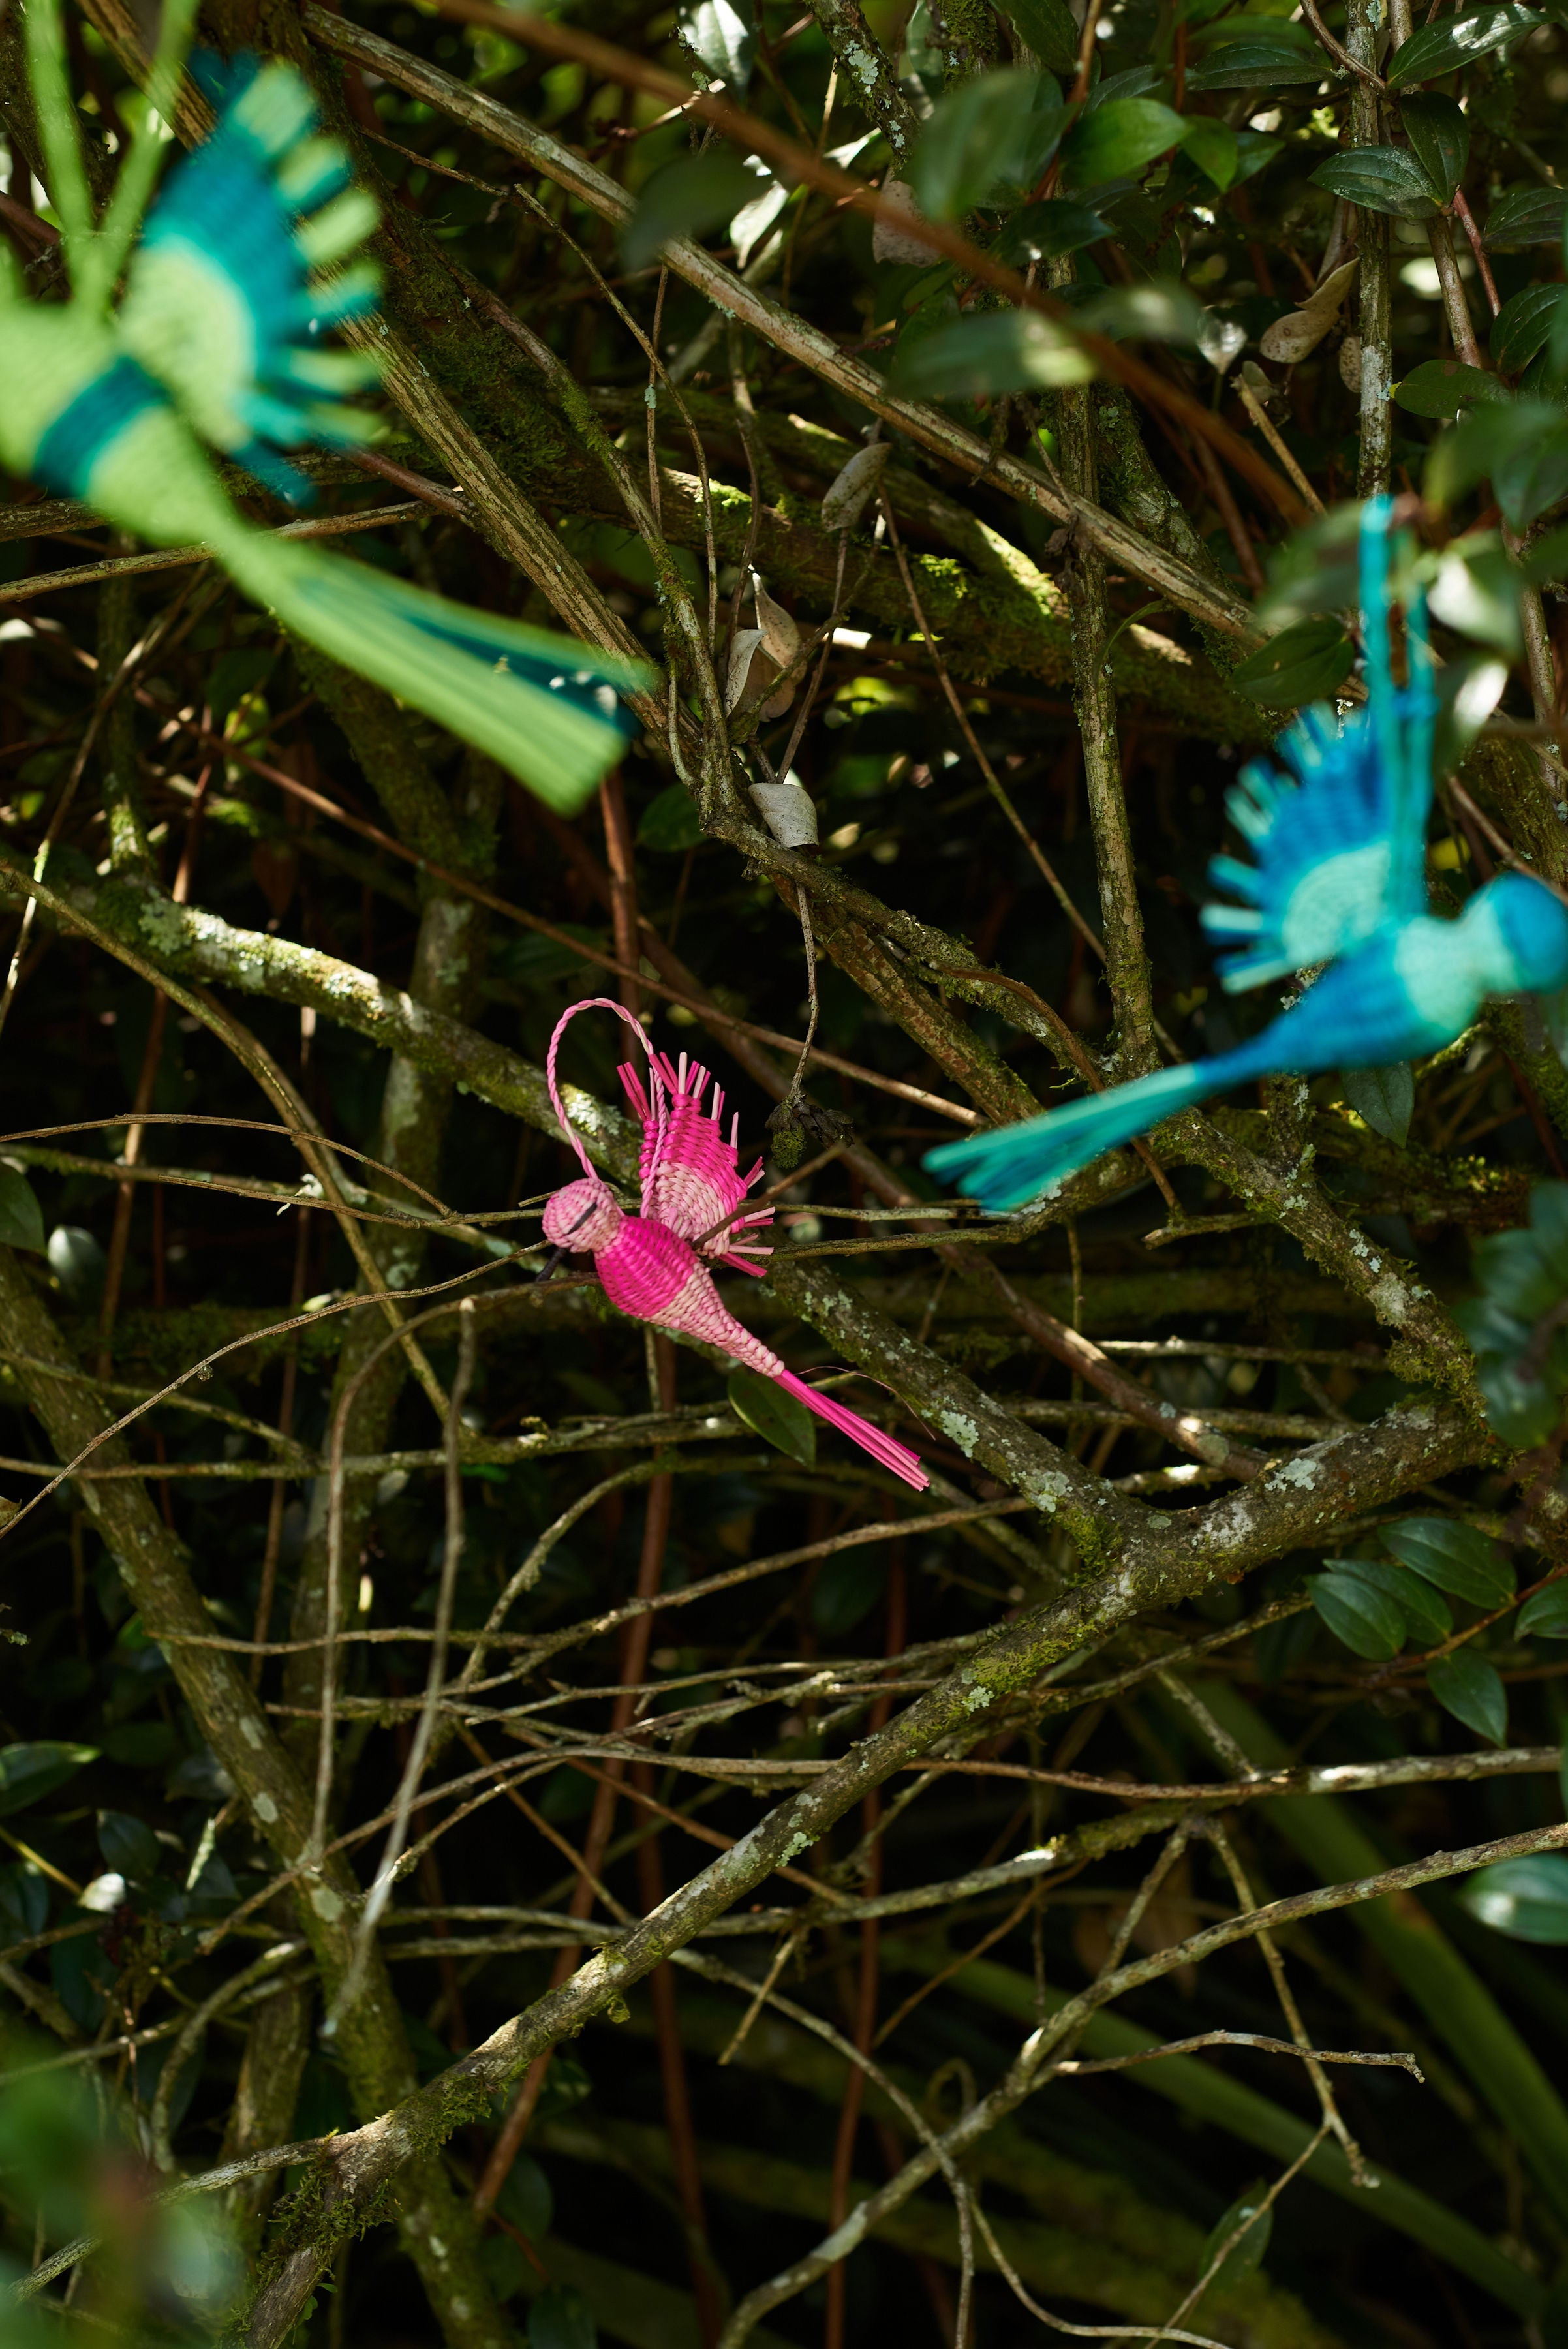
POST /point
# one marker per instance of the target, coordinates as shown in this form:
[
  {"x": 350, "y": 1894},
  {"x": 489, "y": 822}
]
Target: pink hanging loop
[{"x": 588, "y": 1003}]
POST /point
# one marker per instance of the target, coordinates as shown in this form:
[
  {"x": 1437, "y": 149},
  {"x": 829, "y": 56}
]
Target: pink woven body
[
  {"x": 691, "y": 1175},
  {"x": 655, "y": 1267}
]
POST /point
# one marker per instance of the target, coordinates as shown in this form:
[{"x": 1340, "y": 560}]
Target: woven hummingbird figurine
[
  {"x": 218, "y": 340},
  {"x": 1339, "y": 878},
  {"x": 657, "y": 1266}
]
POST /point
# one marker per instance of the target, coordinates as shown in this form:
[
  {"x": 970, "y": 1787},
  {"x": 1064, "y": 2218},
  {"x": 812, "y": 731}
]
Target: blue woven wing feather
[
  {"x": 224, "y": 300},
  {"x": 1339, "y": 840}
]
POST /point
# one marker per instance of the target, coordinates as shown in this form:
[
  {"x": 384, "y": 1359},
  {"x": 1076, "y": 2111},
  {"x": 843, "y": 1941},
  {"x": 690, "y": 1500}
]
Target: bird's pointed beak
[{"x": 554, "y": 1258}]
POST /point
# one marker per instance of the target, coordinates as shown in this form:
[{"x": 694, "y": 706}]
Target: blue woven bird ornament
[
  {"x": 1338, "y": 878},
  {"x": 247, "y": 260}
]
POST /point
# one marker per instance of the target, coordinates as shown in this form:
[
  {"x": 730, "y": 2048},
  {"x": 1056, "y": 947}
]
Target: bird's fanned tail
[
  {"x": 1015, "y": 1163},
  {"x": 883, "y": 1449},
  {"x": 544, "y": 706}
]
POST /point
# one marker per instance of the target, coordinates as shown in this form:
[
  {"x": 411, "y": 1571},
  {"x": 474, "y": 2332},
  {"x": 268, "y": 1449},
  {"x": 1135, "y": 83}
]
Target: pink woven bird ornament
[{"x": 658, "y": 1266}]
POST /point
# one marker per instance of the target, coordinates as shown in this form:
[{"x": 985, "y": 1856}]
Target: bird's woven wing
[
  {"x": 691, "y": 1180},
  {"x": 225, "y": 304},
  {"x": 1338, "y": 841}
]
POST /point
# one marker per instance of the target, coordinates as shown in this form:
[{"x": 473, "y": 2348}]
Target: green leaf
[
  {"x": 28, "y": 1773},
  {"x": 21, "y": 1217},
  {"x": 1049, "y": 28},
  {"x": 1380, "y": 180},
  {"x": 1470, "y": 1688},
  {"x": 1158, "y": 311},
  {"x": 1444, "y": 48},
  {"x": 1442, "y": 386},
  {"x": 1524, "y": 1412},
  {"x": 1524, "y": 448},
  {"x": 1364, "y": 1617},
  {"x": 1523, "y": 325},
  {"x": 1546, "y": 565},
  {"x": 1250, "y": 52},
  {"x": 1246, "y": 2255},
  {"x": 995, "y": 351},
  {"x": 670, "y": 821},
  {"x": 1545, "y": 1615},
  {"x": 722, "y": 36},
  {"x": 1439, "y": 140},
  {"x": 1465, "y": 1564},
  {"x": 566, "y": 2086},
  {"x": 1382, "y": 1098},
  {"x": 77, "y": 1261},
  {"x": 1527, "y": 1271},
  {"x": 686, "y": 198},
  {"x": 757, "y": 215},
  {"x": 1212, "y": 147},
  {"x": 127, "y": 1845},
  {"x": 1549, "y": 1228},
  {"x": 1469, "y": 690},
  {"x": 1302, "y": 663},
  {"x": 525, "y": 2198},
  {"x": 1425, "y": 1610},
  {"x": 1476, "y": 591},
  {"x": 999, "y": 130},
  {"x": 1117, "y": 140},
  {"x": 1532, "y": 477},
  {"x": 1047, "y": 231},
  {"x": 1529, "y": 216},
  {"x": 1254, "y": 149},
  {"x": 141, "y": 1745},
  {"x": 504, "y": 2266},
  {"x": 23, "y": 1898},
  {"x": 1525, "y": 1897},
  {"x": 234, "y": 675},
  {"x": 848, "y": 1589},
  {"x": 774, "y": 1415},
  {"x": 561, "y": 2319}
]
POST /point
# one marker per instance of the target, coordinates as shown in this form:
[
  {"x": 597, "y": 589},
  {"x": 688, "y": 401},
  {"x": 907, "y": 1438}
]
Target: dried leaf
[
  {"x": 889, "y": 242},
  {"x": 1290, "y": 338},
  {"x": 789, "y": 812},
  {"x": 1350, "y": 364},
  {"x": 854, "y": 485},
  {"x": 743, "y": 645},
  {"x": 780, "y": 636}
]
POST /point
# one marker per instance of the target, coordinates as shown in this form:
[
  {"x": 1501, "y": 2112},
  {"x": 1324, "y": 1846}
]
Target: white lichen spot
[
  {"x": 1044, "y": 1491},
  {"x": 964, "y": 1431},
  {"x": 977, "y": 1700},
  {"x": 792, "y": 1849},
  {"x": 252, "y": 1731},
  {"x": 1390, "y": 1299},
  {"x": 328, "y": 1904},
  {"x": 1302, "y": 1472},
  {"x": 438, "y": 2249},
  {"x": 266, "y": 1809}
]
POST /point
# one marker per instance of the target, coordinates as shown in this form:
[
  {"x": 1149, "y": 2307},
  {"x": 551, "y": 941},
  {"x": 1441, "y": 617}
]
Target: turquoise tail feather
[
  {"x": 544, "y": 706},
  {"x": 1015, "y": 1163}
]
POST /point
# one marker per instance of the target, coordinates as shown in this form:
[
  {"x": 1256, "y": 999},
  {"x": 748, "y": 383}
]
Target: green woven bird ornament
[{"x": 244, "y": 266}]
